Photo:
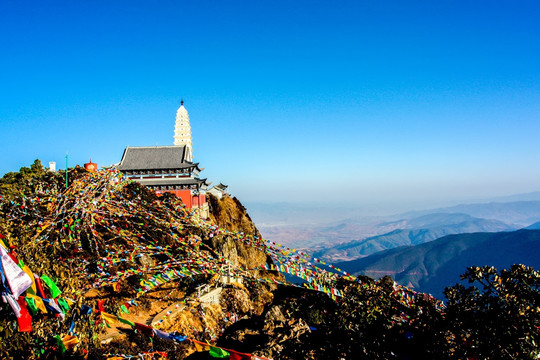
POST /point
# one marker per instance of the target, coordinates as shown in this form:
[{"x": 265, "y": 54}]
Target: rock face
[
  {"x": 238, "y": 253},
  {"x": 276, "y": 332},
  {"x": 230, "y": 214},
  {"x": 273, "y": 316}
]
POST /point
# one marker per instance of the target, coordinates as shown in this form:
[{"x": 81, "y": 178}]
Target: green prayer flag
[
  {"x": 218, "y": 352},
  {"x": 124, "y": 309},
  {"x": 63, "y": 305},
  {"x": 31, "y": 305},
  {"x": 55, "y": 291},
  {"x": 126, "y": 322},
  {"x": 60, "y": 343}
]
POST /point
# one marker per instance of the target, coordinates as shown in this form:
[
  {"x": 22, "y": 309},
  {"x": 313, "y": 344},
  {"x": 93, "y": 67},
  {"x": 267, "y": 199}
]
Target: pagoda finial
[{"x": 181, "y": 102}]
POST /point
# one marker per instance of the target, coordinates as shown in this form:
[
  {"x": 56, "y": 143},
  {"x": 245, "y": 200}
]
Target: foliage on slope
[{"x": 101, "y": 238}]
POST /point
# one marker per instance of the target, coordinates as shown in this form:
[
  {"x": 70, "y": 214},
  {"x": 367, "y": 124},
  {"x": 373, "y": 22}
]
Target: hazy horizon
[{"x": 268, "y": 214}]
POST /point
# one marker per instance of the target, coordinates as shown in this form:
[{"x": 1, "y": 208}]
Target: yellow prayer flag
[
  {"x": 199, "y": 346},
  {"x": 70, "y": 341},
  {"x": 32, "y": 289},
  {"x": 109, "y": 318},
  {"x": 39, "y": 302}
]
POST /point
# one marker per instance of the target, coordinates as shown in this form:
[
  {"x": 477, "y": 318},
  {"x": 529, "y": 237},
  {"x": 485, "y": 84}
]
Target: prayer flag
[
  {"x": 199, "y": 346},
  {"x": 161, "y": 334},
  {"x": 100, "y": 305},
  {"x": 70, "y": 341},
  {"x": 32, "y": 289},
  {"x": 176, "y": 337},
  {"x": 235, "y": 355},
  {"x": 86, "y": 310},
  {"x": 25, "y": 320},
  {"x": 39, "y": 285},
  {"x": 38, "y": 302},
  {"x": 218, "y": 352},
  {"x": 53, "y": 306},
  {"x": 124, "y": 321},
  {"x": 60, "y": 343},
  {"x": 63, "y": 305},
  {"x": 144, "y": 329},
  {"x": 13, "y": 303},
  {"x": 17, "y": 279},
  {"x": 109, "y": 318},
  {"x": 31, "y": 305},
  {"x": 55, "y": 291}
]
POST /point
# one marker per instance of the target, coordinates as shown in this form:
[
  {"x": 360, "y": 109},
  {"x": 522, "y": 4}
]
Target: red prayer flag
[
  {"x": 100, "y": 305},
  {"x": 25, "y": 320},
  {"x": 13, "y": 256},
  {"x": 235, "y": 355},
  {"x": 41, "y": 292},
  {"x": 144, "y": 329}
]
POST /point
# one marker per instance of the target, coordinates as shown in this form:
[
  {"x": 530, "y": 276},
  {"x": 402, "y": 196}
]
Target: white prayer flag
[{"x": 17, "y": 279}]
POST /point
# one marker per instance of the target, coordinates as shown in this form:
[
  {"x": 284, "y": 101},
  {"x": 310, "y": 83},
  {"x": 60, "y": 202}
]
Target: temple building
[{"x": 169, "y": 168}]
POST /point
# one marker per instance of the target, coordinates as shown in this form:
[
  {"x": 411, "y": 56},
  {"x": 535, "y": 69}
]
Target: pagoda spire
[{"x": 182, "y": 131}]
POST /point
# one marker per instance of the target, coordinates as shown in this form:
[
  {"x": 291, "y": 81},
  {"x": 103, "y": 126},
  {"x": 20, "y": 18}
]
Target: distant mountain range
[
  {"x": 531, "y": 196},
  {"x": 432, "y": 266},
  {"x": 313, "y": 232},
  {"x": 522, "y": 213},
  {"x": 535, "y": 226},
  {"x": 413, "y": 231},
  {"x": 427, "y": 249}
]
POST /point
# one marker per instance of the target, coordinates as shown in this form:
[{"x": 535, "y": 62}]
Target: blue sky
[{"x": 371, "y": 102}]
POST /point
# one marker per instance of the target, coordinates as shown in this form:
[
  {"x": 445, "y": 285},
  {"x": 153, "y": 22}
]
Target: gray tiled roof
[{"x": 154, "y": 157}]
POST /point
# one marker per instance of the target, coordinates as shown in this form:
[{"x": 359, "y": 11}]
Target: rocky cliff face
[{"x": 230, "y": 214}]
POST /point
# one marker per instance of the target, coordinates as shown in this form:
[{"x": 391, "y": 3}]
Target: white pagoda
[{"x": 182, "y": 131}]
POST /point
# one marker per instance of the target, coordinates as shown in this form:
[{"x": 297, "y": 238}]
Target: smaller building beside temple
[{"x": 218, "y": 190}]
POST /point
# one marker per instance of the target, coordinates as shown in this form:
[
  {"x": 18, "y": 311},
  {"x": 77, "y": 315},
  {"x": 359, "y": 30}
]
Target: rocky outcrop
[
  {"x": 230, "y": 214},
  {"x": 271, "y": 335},
  {"x": 240, "y": 254}
]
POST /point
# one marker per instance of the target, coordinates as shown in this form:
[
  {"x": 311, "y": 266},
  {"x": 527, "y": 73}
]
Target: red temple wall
[{"x": 186, "y": 197}]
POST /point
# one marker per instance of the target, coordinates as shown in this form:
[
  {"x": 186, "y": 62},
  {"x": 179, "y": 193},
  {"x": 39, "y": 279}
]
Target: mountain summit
[{"x": 105, "y": 268}]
